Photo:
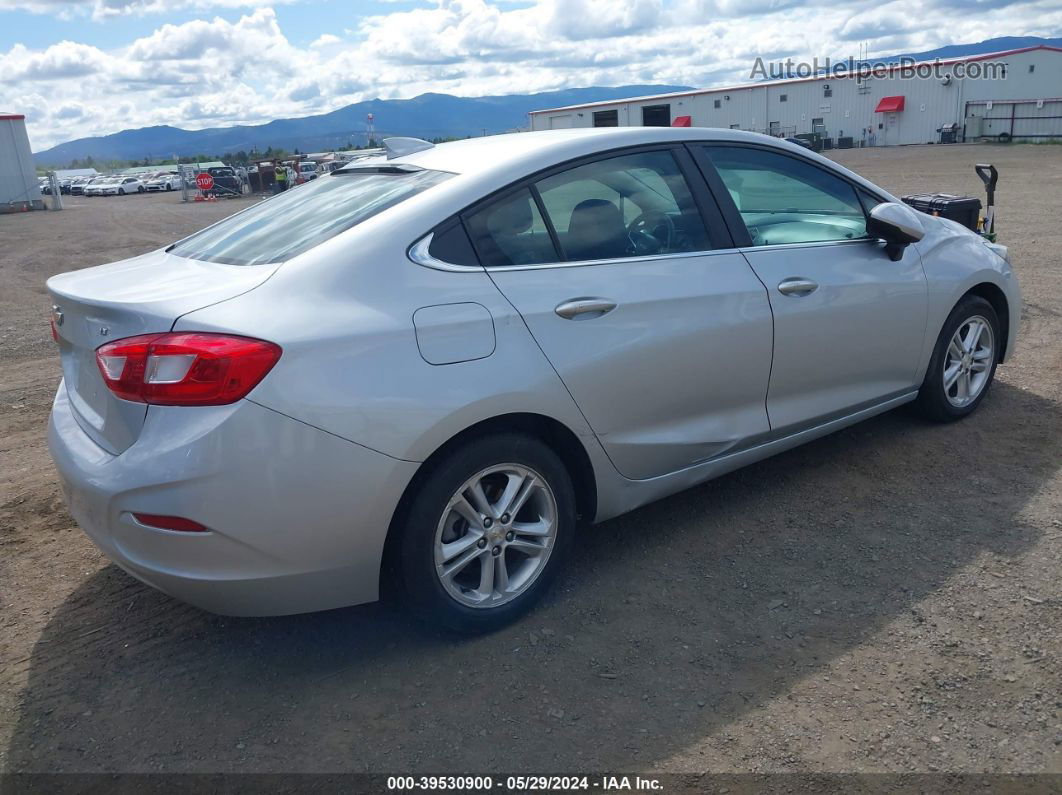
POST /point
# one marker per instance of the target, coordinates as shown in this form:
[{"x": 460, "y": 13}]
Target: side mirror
[{"x": 897, "y": 224}]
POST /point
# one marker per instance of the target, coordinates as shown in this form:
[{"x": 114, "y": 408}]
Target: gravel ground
[{"x": 885, "y": 599}]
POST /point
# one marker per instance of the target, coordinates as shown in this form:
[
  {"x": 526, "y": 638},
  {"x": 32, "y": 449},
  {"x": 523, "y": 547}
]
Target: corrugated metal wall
[
  {"x": 844, "y": 107},
  {"x": 18, "y": 177},
  {"x": 1019, "y": 120}
]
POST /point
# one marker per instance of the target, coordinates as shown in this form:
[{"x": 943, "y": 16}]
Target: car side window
[
  {"x": 450, "y": 244},
  {"x": 869, "y": 201},
  {"x": 785, "y": 200},
  {"x": 630, "y": 205},
  {"x": 510, "y": 231}
]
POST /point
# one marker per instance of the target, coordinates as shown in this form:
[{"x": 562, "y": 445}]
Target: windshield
[{"x": 299, "y": 219}]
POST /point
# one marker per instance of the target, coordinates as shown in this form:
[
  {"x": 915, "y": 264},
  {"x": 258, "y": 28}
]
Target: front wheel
[
  {"x": 963, "y": 363},
  {"x": 485, "y": 533}
]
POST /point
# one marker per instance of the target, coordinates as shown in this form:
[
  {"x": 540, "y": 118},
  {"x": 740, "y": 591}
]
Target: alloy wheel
[
  {"x": 495, "y": 535},
  {"x": 968, "y": 361}
]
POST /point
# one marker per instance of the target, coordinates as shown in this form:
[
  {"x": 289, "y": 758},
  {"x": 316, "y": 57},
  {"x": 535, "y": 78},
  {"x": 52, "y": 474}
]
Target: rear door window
[
  {"x": 510, "y": 231},
  {"x": 631, "y": 205},
  {"x": 293, "y": 222}
]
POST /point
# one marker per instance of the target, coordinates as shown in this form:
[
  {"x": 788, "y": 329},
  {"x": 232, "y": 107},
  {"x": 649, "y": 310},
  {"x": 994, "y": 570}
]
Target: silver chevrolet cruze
[{"x": 421, "y": 371}]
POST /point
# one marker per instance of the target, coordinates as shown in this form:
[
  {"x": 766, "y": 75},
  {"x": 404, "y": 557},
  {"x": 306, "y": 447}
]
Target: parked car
[
  {"x": 164, "y": 181},
  {"x": 418, "y": 372},
  {"x": 77, "y": 185},
  {"x": 121, "y": 186},
  {"x": 97, "y": 185},
  {"x": 306, "y": 171},
  {"x": 226, "y": 183}
]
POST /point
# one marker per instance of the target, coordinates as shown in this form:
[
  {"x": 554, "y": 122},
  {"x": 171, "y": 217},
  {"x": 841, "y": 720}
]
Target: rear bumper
[{"x": 298, "y": 517}]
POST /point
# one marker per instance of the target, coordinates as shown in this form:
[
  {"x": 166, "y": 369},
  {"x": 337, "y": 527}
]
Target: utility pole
[{"x": 57, "y": 193}]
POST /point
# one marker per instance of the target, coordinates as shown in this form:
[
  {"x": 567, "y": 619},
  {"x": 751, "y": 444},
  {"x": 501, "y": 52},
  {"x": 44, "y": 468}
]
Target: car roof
[
  {"x": 510, "y": 156},
  {"x": 472, "y": 155}
]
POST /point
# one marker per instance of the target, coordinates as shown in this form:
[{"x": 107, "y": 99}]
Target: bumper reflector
[{"x": 176, "y": 523}]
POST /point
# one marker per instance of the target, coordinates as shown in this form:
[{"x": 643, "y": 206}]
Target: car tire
[
  {"x": 140, "y": 189},
  {"x": 958, "y": 379},
  {"x": 475, "y": 578}
]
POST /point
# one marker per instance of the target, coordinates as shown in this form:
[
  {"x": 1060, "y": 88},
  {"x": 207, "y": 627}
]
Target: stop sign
[{"x": 204, "y": 181}]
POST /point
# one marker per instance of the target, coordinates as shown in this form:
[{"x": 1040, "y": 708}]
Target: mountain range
[{"x": 425, "y": 116}]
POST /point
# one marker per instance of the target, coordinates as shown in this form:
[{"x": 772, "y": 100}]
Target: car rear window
[{"x": 303, "y": 217}]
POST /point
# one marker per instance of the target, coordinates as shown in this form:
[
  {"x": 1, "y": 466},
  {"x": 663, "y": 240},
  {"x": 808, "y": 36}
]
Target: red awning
[
  {"x": 889, "y": 105},
  {"x": 681, "y": 121}
]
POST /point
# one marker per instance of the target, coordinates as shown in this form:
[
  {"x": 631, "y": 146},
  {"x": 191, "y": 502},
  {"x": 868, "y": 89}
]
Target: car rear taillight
[{"x": 185, "y": 368}]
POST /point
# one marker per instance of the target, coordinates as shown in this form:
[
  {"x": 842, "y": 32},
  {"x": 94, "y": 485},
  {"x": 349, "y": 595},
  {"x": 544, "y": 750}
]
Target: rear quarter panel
[{"x": 343, "y": 314}]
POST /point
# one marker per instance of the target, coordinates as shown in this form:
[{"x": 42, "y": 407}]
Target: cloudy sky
[{"x": 89, "y": 67}]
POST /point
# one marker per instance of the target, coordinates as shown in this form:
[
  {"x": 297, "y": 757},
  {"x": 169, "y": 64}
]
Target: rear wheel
[
  {"x": 485, "y": 533},
  {"x": 964, "y": 362}
]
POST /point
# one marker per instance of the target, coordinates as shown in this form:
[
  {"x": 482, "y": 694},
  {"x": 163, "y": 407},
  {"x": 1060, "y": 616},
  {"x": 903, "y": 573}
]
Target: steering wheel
[{"x": 650, "y": 224}]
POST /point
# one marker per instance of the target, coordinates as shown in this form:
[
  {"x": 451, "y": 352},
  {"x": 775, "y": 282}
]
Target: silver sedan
[{"x": 426, "y": 369}]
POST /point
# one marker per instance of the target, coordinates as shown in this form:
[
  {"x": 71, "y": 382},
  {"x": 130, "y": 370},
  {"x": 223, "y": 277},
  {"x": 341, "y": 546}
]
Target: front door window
[{"x": 785, "y": 200}]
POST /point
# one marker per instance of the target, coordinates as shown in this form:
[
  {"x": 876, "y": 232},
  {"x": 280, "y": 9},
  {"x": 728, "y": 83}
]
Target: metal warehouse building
[
  {"x": 892, "y": 106},
  {"x": 19, "y": 189}
]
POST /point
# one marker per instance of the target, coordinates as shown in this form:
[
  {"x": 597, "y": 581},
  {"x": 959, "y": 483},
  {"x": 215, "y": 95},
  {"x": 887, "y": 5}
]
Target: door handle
[
  {"x": 592, "y": 307},
  {"x": 797, "y": 286}
]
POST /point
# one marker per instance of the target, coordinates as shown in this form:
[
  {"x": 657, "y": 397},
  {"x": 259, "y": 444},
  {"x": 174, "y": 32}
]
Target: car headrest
[
  {"x": 596, "y": 231},
  {"x": 511, "y": 218}
]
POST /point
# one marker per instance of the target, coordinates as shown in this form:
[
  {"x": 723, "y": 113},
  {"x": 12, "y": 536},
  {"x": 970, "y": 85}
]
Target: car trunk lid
[{"x": 143, "y": 295}]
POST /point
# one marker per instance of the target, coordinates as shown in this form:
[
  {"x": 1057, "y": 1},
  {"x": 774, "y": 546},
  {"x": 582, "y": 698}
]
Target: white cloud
[
  {"x": 324, "y": 40},
  {"x": 214, "y": 71},
  {"x": 61, "y": 61},
  {"x": 254, "y": 39},
  {"x": 105, "y": 9},
  {"x": 578, "y": 20}
]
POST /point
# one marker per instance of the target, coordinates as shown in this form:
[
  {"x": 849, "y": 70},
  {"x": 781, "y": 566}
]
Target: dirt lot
[{"x": 886, "y": 599}]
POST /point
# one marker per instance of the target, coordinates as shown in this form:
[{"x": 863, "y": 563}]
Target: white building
[
  {"x": 19, "y": 189},
  {"x": 71, "y": 173},
  {"x": 893, "y": 106}
]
